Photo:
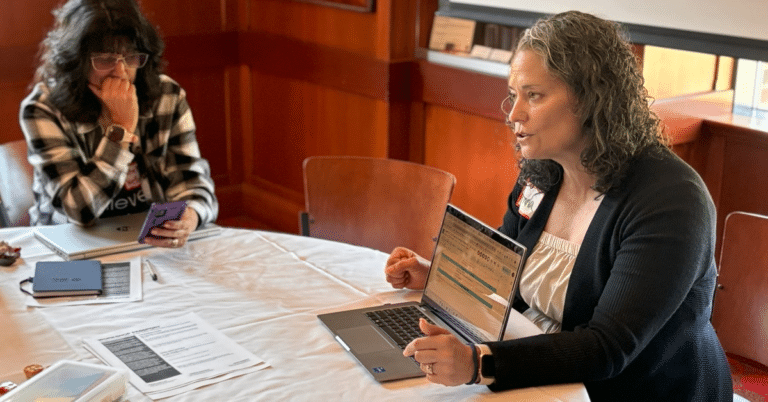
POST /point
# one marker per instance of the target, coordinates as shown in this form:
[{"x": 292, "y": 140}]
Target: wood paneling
[
  {"x": 177, "y": 17},
  {"x": 312, "y": 23},
  {"x": 479, "y": 152},
  {"x": 204, "y": 91},
  {"x": 22, "y": 27},
  {"x": 18, "y": 63},
  {"x": 308, "y": 119},
  {"x": 10, "y": 98},
  {"x": 744, "y": 154},
  {"x": 469, "y": 92},
  {"x": 196, "y": 52},
  {"x": 397, "y": 40},
  {"x": 287, "y": 57},
  {"x": 25, "y": 22}
]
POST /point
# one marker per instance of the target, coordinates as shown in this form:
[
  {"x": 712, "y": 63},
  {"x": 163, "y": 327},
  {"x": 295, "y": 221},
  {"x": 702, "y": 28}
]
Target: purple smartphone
[{"x": 159, "y": 213}]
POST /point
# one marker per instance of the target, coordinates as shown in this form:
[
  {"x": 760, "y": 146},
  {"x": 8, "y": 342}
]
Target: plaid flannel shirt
[{"x": 78, "y": 171}]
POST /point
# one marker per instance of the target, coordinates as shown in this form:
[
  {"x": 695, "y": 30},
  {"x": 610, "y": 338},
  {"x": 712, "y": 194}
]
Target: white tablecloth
[{"x": 261, "y": 289}]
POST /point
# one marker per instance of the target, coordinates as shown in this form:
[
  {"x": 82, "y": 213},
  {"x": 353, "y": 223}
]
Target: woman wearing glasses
[
  {"x": 108, "y": 134},
  {"x": 620, "y": 270}
]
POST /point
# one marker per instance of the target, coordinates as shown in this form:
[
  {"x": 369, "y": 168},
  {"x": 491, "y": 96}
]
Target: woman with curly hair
[
  {"x": 107, "y": 132},
  {"x": 620, "y": 272}
]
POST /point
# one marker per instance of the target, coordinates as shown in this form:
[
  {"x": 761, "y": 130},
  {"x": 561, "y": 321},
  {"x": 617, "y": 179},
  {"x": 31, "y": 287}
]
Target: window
[
  {"x": 751, "y": 92},
  {"x": 671, "y": 73}
]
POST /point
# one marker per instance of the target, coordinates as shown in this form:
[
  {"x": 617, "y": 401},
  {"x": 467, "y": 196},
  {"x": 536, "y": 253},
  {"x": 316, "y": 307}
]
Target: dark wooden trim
[
  {"x": 290, "y": 58},
  {"x": 276, "y": 207},
  {"x": 738, "y": 133},
  {"x": 363, "y": 6},
  {"x": 465, "y": 91},
  {"x": 201, "y": 51},
  {"x": 399, "y": 131},
  {"x": 270, "y": 54}
]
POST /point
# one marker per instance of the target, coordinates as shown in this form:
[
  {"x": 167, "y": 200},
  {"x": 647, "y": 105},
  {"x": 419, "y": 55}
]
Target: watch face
[
  {"x": 487, "y": 366},
  {"x": 116, "y": 133}
]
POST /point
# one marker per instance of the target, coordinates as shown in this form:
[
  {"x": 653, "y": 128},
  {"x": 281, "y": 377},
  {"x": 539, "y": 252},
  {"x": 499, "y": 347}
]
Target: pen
[{"x": 152, "y": 271}]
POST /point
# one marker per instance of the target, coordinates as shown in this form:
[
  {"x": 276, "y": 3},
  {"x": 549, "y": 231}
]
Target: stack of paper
[{"x": 169, "y": 357}]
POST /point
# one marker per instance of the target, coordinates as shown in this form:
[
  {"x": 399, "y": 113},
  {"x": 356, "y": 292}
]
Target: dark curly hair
[
  {"x": 83, "y": 27},
  {"x": 593, "y": 57}
]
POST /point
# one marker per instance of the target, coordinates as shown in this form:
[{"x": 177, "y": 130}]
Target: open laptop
[
  {"x": 113, "y": 235},
  {"x": 469, "y": 291}
]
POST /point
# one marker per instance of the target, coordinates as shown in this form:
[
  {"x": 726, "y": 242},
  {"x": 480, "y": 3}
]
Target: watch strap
[{"x": 475, "y": 365}]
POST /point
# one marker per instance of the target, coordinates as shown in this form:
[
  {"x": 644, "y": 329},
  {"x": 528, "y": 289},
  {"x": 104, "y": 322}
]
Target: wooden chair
[
  {"x": 16, "y": 196},
  {"x": 740, "y": 312},
  {"x": 373, "y": 202}
]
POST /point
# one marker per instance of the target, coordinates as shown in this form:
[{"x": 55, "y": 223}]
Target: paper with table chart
[{"x": 168, "y": 357}]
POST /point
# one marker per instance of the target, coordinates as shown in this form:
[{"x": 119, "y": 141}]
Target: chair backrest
[
  {"x": 16, "y": 194},
  {"x": 374, "y": 202},
  {"x": 740, "y": 313}
]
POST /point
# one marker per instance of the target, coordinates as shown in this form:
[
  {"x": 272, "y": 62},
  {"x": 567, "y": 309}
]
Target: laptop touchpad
[{"x": 365, "y": 339}]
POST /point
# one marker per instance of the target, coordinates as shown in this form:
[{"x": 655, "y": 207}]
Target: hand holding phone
[{"x": 158, "y": 214}]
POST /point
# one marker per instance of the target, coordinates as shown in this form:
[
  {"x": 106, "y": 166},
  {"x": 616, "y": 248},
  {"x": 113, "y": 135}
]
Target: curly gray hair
[{"x": 593, "y": 57}]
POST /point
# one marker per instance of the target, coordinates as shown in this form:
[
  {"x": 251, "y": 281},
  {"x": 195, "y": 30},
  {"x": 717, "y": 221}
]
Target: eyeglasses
[{"x": 105, "y": 62}]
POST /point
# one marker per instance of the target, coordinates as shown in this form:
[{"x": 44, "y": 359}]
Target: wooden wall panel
[
  {"x": 10, "y": 99},
  {"x": 744, "y": 153},
  {"x": 322, "y": 25},
  {"x": 207, "y": 97},
  {"x": 397, "y": 38},
  {"x": 25, "y": 22},
  {"x": 308, "y": 119},
  {"x": 22, "y": 27},
  {"x": 466, "y": 91},
  {"x": 176, "y": 17},
  {"x": 323, "y": 65},
  {"x": 479, "y": 152}
]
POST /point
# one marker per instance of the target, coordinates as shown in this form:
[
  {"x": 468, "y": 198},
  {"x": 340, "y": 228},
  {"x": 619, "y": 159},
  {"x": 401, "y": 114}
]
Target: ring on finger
[
  {"x": 175, "y": 242},
  {"x": 428, "y": 368}
]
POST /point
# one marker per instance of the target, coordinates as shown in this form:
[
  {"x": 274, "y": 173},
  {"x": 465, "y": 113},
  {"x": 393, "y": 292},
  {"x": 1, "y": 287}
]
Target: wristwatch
[
  {"x": 487, "y": 366},
  {"x": 118, "y": 134}
]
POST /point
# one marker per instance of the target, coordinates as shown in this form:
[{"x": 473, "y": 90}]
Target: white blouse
[{"x": 544, "y": 281}]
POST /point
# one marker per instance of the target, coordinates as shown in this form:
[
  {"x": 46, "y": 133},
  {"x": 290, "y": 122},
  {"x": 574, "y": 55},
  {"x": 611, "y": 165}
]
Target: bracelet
[{"x": 475, "y": 368}]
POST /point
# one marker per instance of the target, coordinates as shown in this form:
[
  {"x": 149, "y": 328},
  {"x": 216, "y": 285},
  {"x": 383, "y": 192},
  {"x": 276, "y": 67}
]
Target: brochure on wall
[
  {"x": 170, "y": 357},
  {"x": 121, "y": 284}
]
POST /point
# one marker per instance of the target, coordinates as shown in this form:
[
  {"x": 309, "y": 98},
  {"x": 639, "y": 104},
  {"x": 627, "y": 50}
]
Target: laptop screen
[{"x": 474, "y": 274}]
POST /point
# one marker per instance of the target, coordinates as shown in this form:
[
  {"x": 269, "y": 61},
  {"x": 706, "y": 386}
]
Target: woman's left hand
[
  {"x": 442, "y": 354},
  {"x": 174, "y": 234}
]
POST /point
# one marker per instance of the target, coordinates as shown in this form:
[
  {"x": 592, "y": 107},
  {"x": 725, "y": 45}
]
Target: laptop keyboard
[{"x": 401, "y": 324}]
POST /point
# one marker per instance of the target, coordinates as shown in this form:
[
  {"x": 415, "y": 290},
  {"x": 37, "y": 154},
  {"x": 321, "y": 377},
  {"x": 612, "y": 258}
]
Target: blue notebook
[{"x": 67, "y": 278}]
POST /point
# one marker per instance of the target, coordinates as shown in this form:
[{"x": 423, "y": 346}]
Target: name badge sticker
[
  {"x": 133, "y": 180},
  {"x": 529, "y": 200}
]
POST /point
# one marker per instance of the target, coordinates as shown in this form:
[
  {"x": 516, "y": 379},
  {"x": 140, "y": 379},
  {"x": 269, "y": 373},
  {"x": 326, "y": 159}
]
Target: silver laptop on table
[
  {"x": 114, "y": 235},
  {"x": 472, "y": 281}
]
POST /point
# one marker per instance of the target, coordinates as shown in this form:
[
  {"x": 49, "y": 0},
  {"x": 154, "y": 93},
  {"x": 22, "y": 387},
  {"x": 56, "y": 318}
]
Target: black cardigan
[{"x": 636, "y": 317}]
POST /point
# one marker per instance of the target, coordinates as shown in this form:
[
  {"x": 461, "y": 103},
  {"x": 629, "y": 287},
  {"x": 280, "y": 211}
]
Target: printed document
[{"x": 169, "y": 357}]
